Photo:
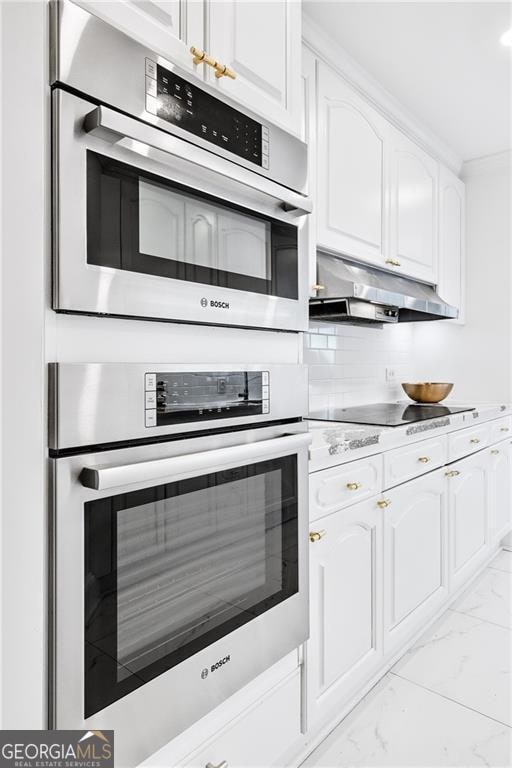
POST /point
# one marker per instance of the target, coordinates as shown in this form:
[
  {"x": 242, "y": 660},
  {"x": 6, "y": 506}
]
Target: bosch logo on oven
[
  {"x": 215, "y": 303},
  {"x": 218, "y": 664}
]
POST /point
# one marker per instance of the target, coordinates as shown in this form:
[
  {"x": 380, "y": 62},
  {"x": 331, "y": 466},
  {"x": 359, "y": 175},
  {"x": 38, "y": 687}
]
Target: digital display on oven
[
  {"x": 179, "y": 397},
  {"x": 177, "y": 101}
]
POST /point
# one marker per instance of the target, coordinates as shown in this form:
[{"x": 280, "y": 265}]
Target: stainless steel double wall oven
[
  {"x": 169, "y": 203},
  {"x": 178, "y": 541}
]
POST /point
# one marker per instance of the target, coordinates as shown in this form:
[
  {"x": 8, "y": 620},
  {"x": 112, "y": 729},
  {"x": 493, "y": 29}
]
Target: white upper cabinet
[
  {"x": 168, "y": 27},
  {"x": 451, "y": 240},
  {"x": 351, "y": 171},
  {"x": 261, "y": 42},
  {"x": 414, "y": 211}
]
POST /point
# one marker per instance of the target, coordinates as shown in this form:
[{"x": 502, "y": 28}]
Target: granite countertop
[{"x": 337, "y": 443}]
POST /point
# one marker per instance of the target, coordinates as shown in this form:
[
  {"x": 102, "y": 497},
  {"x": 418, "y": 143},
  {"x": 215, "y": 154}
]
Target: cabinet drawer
[
  {"x": 252, "y": 739},
  {"x": 467, "y": 441},
  {"x": 332, "y": 489},
  {"x": 405, "y": 463},
  {"x": 500, "y": 429}
]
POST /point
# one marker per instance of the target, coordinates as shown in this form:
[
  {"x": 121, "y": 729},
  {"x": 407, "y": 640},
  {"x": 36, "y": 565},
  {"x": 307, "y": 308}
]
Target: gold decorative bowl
[{"x": 427, "y": 392}]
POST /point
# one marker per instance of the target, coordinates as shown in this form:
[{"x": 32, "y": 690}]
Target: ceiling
[{"x": 442, "y": 60}]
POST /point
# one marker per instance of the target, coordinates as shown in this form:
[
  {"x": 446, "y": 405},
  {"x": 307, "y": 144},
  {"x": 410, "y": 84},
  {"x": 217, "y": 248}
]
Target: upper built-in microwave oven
[{"x": 169, "y": 202}]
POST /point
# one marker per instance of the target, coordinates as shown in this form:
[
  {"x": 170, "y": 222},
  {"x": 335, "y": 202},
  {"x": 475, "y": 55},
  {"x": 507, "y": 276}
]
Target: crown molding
[
  {"x": 495, "y": 163},
  {"x": 324, "y": 48}
]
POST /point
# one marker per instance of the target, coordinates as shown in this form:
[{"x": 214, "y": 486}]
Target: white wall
[
  {"x": 24, "y": 64},
  {"x": 477, "y": 355}
]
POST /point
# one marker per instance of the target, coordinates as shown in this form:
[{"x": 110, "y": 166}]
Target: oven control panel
[
  {"x": 171, "y": 98},
  {"x": 179, "y": 397}
]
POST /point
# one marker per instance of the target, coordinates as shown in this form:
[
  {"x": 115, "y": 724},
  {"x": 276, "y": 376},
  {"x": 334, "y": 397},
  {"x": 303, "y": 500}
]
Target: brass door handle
[
  {"x": 318, "y": 287},
  {"x": 354, "y": 486},
  {"x": 504, "y": 429},
  {"x": 495, "y": 452},
  {"x": 393, "y": 262},
  {"x": 452, "y": 473},
  {"x": 424, "y": 459},
  {"x": 475, "y": 440},
  {"x": 383, "y": 503},
  {"x": 316, "y": 536},
  {"x": 221, "y": 70}
]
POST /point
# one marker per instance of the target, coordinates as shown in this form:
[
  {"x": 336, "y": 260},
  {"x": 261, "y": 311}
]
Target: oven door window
[
  {"x": 171, "y": 569},
  {"x": 143, "y": 223}
]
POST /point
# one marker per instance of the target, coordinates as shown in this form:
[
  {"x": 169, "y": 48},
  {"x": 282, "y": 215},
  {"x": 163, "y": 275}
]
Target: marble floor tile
[
  {"x": 489, "y": 598},
  {"x": 401, "y": 724},
  {"x": 502, "y": 561},
  {"x": 465, "y": 659}
]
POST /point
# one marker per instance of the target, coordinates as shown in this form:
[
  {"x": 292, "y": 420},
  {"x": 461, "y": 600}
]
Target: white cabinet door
[
  {"x": 415, "y": 562},
  {"x": 167, "y": 27},
  {"x": 345, "y": 645},
  {"x": 352, "y": 171},
  {"x": 500, "y": 482},
  {"x": 309, "y": 131},
  {"x": 261, "y": 42},
  {"x": 414, "y": 213},
  {"x": 451, "y": 283},
  {"x": 468, "y": 483}
]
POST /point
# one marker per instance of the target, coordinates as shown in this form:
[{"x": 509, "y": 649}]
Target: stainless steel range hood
[{"x": 353, "y": 293}]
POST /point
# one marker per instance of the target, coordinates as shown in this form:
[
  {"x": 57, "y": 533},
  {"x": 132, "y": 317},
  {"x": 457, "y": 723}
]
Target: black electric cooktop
[{"x": 386, "y": 414}]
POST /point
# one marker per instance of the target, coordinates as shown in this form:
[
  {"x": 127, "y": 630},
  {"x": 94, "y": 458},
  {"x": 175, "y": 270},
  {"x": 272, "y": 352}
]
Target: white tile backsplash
[{"x": 347, "y": 364}]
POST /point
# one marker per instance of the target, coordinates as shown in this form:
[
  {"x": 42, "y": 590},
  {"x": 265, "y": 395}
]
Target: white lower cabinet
[
  {"x": 468, "y": 498},
  {"x": 500, "y": 482},
  {"x": 260, "y": 736},
  {"x": 415, "y": 562},
  {"x": 345, "y": 645}
]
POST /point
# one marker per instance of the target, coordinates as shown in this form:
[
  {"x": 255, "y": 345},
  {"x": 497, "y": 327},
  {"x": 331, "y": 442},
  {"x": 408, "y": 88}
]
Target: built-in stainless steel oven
[
  {"x": 179, "y": 541},
  {"x": 169, "y": 203}
]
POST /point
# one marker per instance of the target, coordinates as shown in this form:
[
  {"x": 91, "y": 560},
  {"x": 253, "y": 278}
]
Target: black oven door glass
[
  {"x": 171, "y": 569},
  {"x": 143, "y": 223}
]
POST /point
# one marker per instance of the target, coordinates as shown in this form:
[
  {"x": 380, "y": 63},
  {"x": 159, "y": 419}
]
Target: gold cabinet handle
[
  {"x": 452, "y": 473},
  {"x": 316, "y": 536},
  {"x": 475, "y": 440},
  {"x": 221, "y": 70},
  {"x": 424, "y": 459},
  {"x": 393, "y": 262},
  {"x": 224, "y": 71},
  {"x": 318, "y": 287},
  {"x": 504, "y": 429},
  {"x": 495, "y": 452},
  {"x": 224, "y": 764},
  {"x": 383, "y": 503},
  {"x": 354, "y": 486}
]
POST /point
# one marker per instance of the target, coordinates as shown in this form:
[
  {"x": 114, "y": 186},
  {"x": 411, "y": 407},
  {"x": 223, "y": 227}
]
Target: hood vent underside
[{"x": 359, "y": 294}]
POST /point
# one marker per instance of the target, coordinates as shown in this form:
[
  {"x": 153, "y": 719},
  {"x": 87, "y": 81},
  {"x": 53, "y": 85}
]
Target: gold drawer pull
[
  {"x": 316, "y": 536},
  {"x": 475, "y": 440},
  {"x": 318, "y": 287},
  {"x": 383, "y": 503},
  {"x": 495, "y": 452},
  {"x": 504, "y": 429},
  {"x": 393, "y": 262},
  {"x": 354, "y": 486},
  {"x": 221, "y": 70},
  {"x": 452, "y": 473},
  {"x": 424, "y": 459},
  {"x": 224, "y": 764}
]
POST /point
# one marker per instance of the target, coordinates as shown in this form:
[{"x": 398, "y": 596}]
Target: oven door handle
[
  {"x": 111, "y": 126},
  {"x": 175, "y": 468}
]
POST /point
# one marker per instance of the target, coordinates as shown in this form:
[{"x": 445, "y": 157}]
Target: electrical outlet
[{"x": 390, "y": 374}]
